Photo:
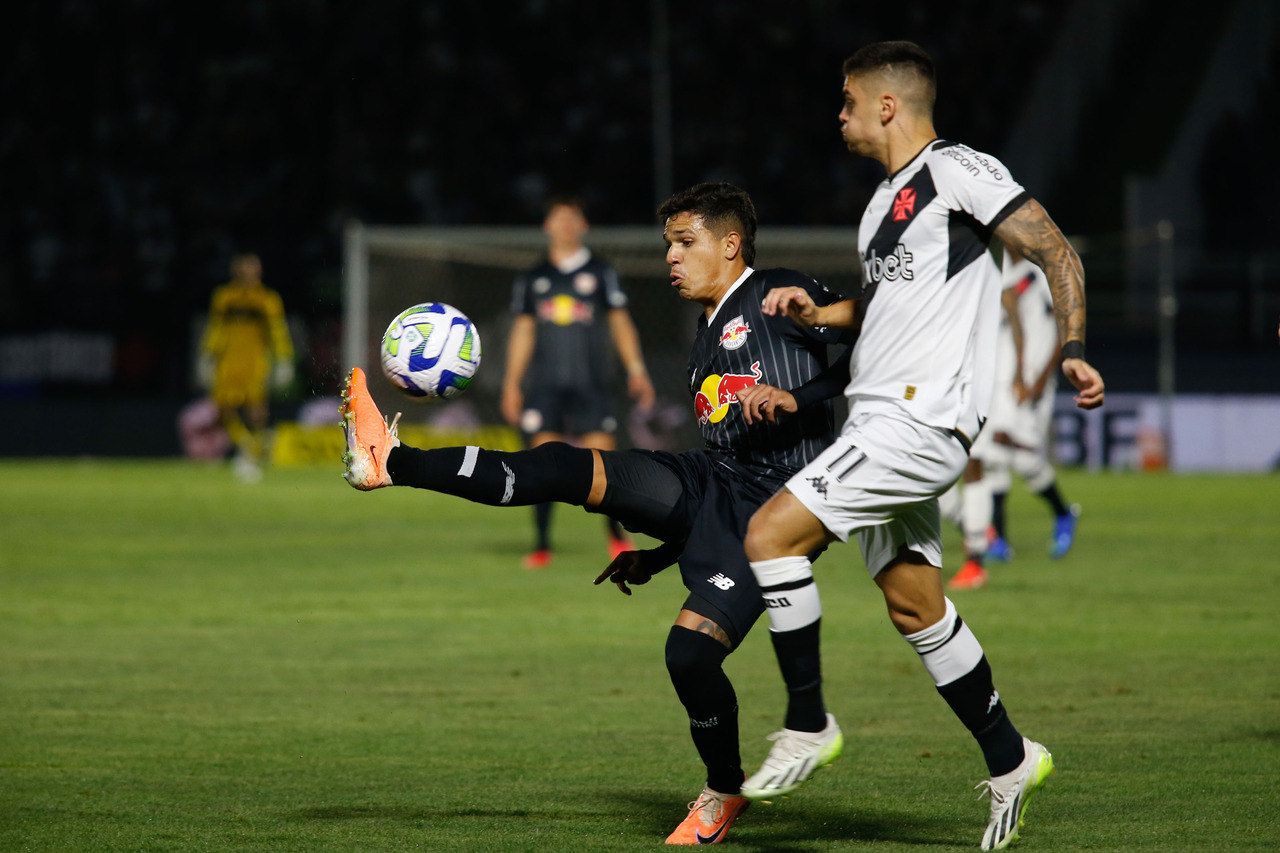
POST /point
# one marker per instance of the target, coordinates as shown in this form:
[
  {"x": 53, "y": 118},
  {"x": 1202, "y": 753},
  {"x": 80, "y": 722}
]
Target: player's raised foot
[
  {"x": 369, "y": 436},
  {"x": 1010, "y": 794},
  {"x": 710, "y": 817},
  {"x": 970, "y": 576},
  {"x": 538, "y": 559},
  {"x": 793, "y": 758},
  {"x": 619, "y": 544},
  {"x": 1064, "y": 533}
]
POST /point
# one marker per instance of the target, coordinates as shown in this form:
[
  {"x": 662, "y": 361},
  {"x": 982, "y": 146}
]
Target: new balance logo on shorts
[{"x": 721, "y": 581}]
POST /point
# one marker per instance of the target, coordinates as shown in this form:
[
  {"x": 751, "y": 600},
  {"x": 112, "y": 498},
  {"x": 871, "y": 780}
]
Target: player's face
[
  {"x": 859, "y": 118},
  {"x": 696, "y": 257},
  {"x": 565, "y": 224},
  {"x": 247, "y": 268}
]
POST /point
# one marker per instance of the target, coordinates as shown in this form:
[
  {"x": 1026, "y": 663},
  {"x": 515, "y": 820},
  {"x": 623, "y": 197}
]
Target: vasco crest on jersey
[{"x": 734, "y": 334}]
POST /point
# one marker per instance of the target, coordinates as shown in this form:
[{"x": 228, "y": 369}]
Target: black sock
[
  {"x": 975, "y": 701},
  {"x": 551, "y": 472},
  {"x": 541, "y": 526},
  {"x": 799, "y": 657},
  {"x": 695, "y": 662},
  {"x": 997, "y": 512},
  {"x": 1054, "y": 498}
]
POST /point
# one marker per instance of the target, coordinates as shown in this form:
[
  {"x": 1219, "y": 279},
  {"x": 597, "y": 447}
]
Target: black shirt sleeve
[{"x": 827, "y": 384}]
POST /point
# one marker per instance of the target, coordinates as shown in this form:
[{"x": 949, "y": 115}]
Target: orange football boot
[
  {"x": 710, "y": 817},
  {"x": 369, "y": 436},
  {"x": 539, "y": 559},
  {"x": 970, "y": 576}
]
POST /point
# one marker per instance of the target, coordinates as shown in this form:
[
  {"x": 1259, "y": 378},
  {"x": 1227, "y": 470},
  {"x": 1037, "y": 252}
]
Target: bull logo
[{"x": 712, "y": 402}]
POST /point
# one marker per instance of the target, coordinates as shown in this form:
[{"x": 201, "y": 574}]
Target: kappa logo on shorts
[
  {"x": 721, "y": 581},
  {"x": 819, "y": 485}
]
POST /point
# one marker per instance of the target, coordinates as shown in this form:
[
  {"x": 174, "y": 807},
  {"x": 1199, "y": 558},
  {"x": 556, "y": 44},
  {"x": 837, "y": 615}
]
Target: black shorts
[
  {"x": 691, "y": 497},
  {"x": 568, "y": 411}
]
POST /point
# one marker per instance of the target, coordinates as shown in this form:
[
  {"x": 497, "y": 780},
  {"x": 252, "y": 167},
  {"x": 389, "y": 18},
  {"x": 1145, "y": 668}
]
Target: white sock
[
  {"x": 790, "y": 594},
  {"x": 947, "y": 648}
]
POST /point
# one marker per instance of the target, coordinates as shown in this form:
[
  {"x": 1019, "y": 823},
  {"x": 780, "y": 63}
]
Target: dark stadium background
[{"x": 142, "y": 142}]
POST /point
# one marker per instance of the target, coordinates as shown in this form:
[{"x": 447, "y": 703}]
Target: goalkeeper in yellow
[{"x": 246, "y": 344}]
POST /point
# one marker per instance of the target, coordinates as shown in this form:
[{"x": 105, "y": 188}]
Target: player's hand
[
  {"x": 628, "y": 567},
  {"x": 1086, "y": 380},
  {"x": 793, "y": 302},
  {"x": 206, "y": 368},
  {"x": 763, "y": 402},
  {"x": 512, "y": 405},
  {"x": 282, "y": 374},
  {"x": 640, "y": 387}
]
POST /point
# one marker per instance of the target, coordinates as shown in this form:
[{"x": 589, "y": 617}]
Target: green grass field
[{"x": 188, "y": 663}]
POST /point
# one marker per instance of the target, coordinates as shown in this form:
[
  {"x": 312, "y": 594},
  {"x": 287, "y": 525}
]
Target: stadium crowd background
[{"x": 143, "y": 142}]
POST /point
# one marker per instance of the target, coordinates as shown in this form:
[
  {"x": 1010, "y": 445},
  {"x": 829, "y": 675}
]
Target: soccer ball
[{"x": 431, "y": 350}]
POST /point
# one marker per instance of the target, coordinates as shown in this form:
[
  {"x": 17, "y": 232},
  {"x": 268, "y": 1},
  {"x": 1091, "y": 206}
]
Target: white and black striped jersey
[
  {"x": 739, "y": 347},
  {"x": 1035, "y": 314},
  {"x": 931, "y": 287},
  {"x": 570, "y": 305}
]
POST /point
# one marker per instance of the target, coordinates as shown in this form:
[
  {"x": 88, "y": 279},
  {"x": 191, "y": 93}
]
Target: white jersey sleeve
[{"x": 977, "y": 184}]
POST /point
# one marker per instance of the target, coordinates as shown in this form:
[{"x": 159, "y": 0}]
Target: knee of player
[
  {"x": 692, "y": 654},
  {"x": 762, "y": 541}
]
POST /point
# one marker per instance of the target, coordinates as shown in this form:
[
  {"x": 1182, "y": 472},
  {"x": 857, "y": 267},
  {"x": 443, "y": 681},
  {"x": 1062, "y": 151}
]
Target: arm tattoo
[{"x": 1030, "y": 232}]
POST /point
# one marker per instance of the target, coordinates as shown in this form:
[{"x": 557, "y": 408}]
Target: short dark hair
[
  {"x": 723, "y": 208},
  {"x": 897, "y": 58},
  {"x": 564, "y": 200}
]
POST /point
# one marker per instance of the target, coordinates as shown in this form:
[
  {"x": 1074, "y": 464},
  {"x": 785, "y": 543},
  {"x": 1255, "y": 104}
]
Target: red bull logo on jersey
[
  {"x": 712, "y": 401},
  {"x": 734, "y": 334},
  {"x": 563, "y": 310}
]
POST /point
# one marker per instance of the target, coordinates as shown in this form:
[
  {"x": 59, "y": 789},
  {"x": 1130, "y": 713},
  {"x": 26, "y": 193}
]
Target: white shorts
[{"x": 881, "y": 479}]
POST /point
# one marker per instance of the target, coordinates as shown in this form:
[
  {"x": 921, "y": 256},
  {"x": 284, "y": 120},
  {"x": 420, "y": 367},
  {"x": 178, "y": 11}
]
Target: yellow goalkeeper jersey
[{"x": 247, "y": 318}]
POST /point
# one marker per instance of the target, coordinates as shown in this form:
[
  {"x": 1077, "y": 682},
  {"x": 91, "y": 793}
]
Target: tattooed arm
[{"x": 1031, "y": 233}]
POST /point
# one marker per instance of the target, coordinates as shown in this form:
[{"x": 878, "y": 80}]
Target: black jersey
[
  {"x": 571, "y": 308},
  {"x": 740, "y": 347}
]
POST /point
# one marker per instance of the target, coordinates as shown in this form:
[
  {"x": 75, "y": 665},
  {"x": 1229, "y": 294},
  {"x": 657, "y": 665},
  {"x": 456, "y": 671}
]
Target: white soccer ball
[{"x": 431, "y": 350}]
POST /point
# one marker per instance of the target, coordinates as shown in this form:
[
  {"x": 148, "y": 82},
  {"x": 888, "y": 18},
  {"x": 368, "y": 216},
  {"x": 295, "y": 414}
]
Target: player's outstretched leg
[
  {"x": 710, "y": 817},
  {"x": 369, "y": 437},
  {"x": 1010, "y": 794}
]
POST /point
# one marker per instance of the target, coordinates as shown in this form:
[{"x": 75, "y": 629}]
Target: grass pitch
[{"x": 188, "y": 663}]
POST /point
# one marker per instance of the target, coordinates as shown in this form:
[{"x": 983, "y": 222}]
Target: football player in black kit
[
  {"x": 698, "y": 502},
  {"x": 558, "y": 384}
]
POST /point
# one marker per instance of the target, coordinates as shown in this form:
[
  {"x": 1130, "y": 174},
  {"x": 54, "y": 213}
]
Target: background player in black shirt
[
  {"x": 697, "y": 502},
  {"x": 558, "y": 385}
]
